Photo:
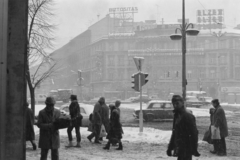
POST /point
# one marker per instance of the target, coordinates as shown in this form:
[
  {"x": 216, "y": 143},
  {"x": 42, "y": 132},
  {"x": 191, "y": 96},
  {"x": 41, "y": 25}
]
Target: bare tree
[{"x": 40, "y": 40}]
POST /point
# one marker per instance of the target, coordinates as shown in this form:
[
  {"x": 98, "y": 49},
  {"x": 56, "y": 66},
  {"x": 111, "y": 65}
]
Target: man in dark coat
[
  {"x": 30, "y": 134},
  {"x": 219, "y": 121},
  {"x": 49, "y": 136},
  {"x": 184, "y": 139},
  {"x": 74, "y": 110},
  {"x": 97, "y": 121}
]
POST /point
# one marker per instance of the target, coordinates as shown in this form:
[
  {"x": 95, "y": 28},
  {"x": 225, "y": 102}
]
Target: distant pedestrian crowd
[{"x": 104, "y": 121}]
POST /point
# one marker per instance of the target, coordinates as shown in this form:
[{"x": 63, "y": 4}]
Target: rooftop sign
[{"x": 123, "y": 9}]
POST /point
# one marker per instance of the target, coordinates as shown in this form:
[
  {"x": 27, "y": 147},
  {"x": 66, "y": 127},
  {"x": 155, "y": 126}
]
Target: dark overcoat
[
  {"x": 116, "y": 131},
  {"x": 219, "y": 120},
  {"x": 97, "y": 114},
  {"x": 30, "y": 134},
  {"x": 49, "y": 137},
  {"x": 184, "y": 137}
]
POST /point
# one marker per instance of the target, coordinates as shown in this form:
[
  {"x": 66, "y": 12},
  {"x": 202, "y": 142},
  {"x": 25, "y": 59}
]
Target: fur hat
[
  {"x": 73, "y": 97},
  {"x": 50, "y": 100}
]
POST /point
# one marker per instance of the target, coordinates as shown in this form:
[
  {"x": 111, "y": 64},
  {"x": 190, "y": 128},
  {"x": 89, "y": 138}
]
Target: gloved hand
[
  {"x": 196, "y": 154},
  {"x": 169, "y": 152}
]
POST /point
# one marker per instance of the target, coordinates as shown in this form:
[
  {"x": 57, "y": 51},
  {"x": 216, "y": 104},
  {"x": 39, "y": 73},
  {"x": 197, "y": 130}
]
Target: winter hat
[
  {"x": 176, "y": 98},
  {"x": 50, "y": 100},
  {"x": 73, "y": 97}
]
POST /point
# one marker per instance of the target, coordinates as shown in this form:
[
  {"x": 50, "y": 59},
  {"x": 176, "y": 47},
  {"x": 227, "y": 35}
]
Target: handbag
[
  {"x": 207, "y": 136},
  {"x": 103, "y": 132},
  {"x": 215, "y": 132}
]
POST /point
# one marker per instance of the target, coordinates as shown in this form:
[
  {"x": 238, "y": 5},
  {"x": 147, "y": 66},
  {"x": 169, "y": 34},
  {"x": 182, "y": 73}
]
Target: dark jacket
[
  {"x": 97, "y": 114},
  {"x": 184, "y": 137},
  {"x": 30, "y": 134},
  {"x": 74, "y": 109},
  {"x": 219, "y": 120},
  {"x": 49, "y": 137},
  {"x": 116, "y": 130}
]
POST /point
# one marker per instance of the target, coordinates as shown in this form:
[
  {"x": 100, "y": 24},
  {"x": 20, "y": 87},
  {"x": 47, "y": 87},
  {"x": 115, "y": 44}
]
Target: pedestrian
[
  {"x": 30, "y": 134},
  {"x": 115, "y": 133},
  {"x": 76, "y": 117},
  {"x": 184, "y": 139},
  {"x": 49, "y": 136},
  {"x": 97, "y": 121},
  {"x": 105, "y": 117},
  {"x": 219, "y": 122}
]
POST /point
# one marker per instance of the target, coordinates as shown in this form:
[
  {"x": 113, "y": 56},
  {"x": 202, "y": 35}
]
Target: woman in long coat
[
  {"x": 220, "y": 121},
  {"x": 115, "y": 133},
  {"x": 30, "y": 134}
]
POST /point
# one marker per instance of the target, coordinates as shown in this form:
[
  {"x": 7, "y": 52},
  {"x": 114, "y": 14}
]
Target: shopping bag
[
  {"x": 207, "y": 136},
  {"x": 215, "y": 132},
  {"x": 103, "y": 132}
]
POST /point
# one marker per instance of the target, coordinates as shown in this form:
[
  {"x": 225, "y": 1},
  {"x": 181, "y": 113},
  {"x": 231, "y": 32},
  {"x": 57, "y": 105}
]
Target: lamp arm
[
  {"x": 190, "y": 24},
  {"x": 178, "y": 29}
]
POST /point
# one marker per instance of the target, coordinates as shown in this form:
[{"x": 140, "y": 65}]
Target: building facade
[{"x": 106, "y": 62}]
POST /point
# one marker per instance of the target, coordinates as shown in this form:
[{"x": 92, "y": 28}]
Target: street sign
[{"x": 138, "y": 61}]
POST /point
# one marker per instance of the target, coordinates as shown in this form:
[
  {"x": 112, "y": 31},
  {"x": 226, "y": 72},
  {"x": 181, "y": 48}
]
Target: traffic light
[
  {"x": 135, "y": 82},
  {"x": 143, "y": 78}
]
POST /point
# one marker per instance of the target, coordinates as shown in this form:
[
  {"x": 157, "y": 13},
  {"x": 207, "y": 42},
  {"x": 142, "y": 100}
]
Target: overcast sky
[{"x": 74, "y": 16}]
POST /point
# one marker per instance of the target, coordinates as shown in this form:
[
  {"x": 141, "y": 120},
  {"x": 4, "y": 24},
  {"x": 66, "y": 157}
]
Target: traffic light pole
[{"x": 141, "y": 113}]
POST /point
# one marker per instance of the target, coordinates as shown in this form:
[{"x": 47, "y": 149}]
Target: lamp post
[
  {"x": 191, "y": 32},
  {"x": 218, "y": 36}
]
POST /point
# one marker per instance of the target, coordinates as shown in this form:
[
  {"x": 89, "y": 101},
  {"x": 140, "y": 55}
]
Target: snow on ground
[{"x": 151, "y": 144}]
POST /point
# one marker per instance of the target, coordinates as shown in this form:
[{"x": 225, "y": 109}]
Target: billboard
[{"x": 210, "y": 19}]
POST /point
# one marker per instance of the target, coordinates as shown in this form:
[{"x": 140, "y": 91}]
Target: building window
[
  {"x": 111, "y": 60},
  {"x": 120, "y": 74},
  {"x": 110, "y": 46},
  {"x": 121, "y": 60},
  {"x": 212, "y": 74},
  {"x": 116, "y": 47},
  {"x": 110, "y": 74},
  {"x": 121, "y": 46},
  {"x": 189, "y": 74}
]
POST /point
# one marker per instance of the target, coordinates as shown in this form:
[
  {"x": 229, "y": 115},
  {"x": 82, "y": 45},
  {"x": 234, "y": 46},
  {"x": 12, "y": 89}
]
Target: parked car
[
  {"x": 156, "y": 110},
  {"x": 193, "y": 101},
  {"x": 85, "y": 109},
  {"x": 145, "y": 99}
]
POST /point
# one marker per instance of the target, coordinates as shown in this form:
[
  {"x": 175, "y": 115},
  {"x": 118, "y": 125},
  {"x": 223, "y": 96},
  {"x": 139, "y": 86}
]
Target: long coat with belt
[
  {"x": 49, "y": 138},
  {"x": 219, "y": 120}
]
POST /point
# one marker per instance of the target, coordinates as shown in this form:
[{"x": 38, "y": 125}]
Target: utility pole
[{"x": 13, "y": 59}]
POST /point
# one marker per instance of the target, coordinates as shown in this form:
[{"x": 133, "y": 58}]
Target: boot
[
  {"x": 120, "y": 147},
  {"x": 78, "y": 145},
  {"x": 107, "y": 146},
  {"x": 89, "y": 138},
  {"x": 70, "y": 144},
  {"x": 34, "y": 145}
]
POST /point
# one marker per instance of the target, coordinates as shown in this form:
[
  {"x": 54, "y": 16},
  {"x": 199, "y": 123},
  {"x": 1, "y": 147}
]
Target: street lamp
[
  {"x": 191, "y": 32},
  {"x": 218, "y": 36}
]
